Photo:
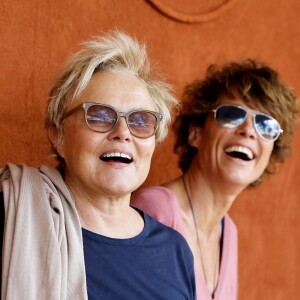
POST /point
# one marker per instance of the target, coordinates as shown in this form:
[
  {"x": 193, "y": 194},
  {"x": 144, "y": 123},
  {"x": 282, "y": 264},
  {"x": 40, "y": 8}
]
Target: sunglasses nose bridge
[
  {"x": 247, "y": 126},
  {"x": 250, "y": 120},
  {"x": 124, "y": 115}
]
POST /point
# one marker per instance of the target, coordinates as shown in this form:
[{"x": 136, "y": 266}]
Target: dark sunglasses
[
  {"x": 231, "y": 116},
  {"x": 103, "y": 118}
]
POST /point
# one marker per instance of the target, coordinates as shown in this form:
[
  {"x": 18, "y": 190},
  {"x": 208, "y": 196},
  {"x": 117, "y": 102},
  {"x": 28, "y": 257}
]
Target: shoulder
[
  {"x": 166, "y": 235},
  {"x": 229, "y": 269},
  {"x": 153, "y": 198},
  {"x": 161, "y": 204},
  {"x": 19, "y": 172},
  {"x": 152, "y": 193},
  {"x": 229, "y": 223},
  {"x": 230, "y": 234}
]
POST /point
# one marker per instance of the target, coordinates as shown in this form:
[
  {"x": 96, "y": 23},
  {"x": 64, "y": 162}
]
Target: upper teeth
[
  {"x": 241, "y": 149},
  {"x": 116, "y": 154}
]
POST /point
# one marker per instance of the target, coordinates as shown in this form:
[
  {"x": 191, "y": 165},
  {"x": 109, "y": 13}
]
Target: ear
[
  {"x": 194, "y": 136},
  {"x": 57, "y": 140}
]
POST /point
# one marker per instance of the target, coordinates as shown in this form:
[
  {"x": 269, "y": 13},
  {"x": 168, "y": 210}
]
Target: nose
[
  {"x": 121, "y": 131},
  {"x": 247, "y": 128}
]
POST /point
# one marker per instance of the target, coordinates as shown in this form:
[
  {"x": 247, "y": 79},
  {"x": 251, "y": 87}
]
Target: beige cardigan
[{"x": 42, "y": 254}]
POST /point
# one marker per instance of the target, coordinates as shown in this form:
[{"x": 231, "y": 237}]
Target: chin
[
  {"x": 239, "y": 181},
  {"x": 123, "y": 189}
]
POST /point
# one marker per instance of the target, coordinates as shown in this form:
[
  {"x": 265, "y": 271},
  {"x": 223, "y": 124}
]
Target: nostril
[
  {"x": 246, "y": 130},
  {"x": 117, "y": 138},
  {"x": 120, "y": 132}
]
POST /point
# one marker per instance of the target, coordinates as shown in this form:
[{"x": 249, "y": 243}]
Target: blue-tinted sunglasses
[
  {"x": 103, "y": 118},
  {"x": 230, "y": 116}
]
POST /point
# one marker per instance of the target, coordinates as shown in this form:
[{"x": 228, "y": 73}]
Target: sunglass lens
[
  {"x": 142, "y": 123},
  {"x": 230, "y": 116},
  {"x": 101, "y": 118},
  {"x": 268, "y": 127}
]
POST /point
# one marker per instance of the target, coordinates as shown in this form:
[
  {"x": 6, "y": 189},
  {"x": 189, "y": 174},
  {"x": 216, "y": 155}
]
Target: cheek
[
  {"x": 267, "y": 152},
  {"x": 146, "y": 149},
  {"x": 73, "y": 144}
]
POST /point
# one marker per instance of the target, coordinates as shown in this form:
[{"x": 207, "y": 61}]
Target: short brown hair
[{"x": 258, "y": 86}]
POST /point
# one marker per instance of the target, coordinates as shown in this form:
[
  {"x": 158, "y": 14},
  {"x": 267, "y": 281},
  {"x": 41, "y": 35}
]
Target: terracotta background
[{"x": 37, "y": 36}]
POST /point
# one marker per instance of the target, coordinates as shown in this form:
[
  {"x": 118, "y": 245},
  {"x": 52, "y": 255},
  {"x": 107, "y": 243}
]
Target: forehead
[{"x": 122, "y": 91}]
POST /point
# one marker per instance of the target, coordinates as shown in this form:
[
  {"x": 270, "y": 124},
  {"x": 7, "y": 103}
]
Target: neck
[
  {"x": 209, "y": 201},
  {"x": 209, "y": 263},
  {"x": 106, "y": 215}
]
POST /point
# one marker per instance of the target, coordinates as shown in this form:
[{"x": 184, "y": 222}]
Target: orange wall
[{"x": 37, "y": 36}]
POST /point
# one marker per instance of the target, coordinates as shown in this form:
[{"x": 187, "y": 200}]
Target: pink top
[{"x": 161, "y": 203}]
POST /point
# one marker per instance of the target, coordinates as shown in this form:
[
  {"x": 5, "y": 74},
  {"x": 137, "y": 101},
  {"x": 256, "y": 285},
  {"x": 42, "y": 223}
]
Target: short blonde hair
[{"x": 116, "y": 52}]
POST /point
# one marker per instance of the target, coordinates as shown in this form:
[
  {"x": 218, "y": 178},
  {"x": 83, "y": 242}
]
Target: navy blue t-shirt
[{"x": 156, "y": 264}]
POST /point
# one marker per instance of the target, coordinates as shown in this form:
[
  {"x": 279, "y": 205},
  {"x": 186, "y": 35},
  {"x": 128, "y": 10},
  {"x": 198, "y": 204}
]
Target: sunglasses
[
  {"x": 230, "y": 116},
  {"x": 103, "y": 118}
]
